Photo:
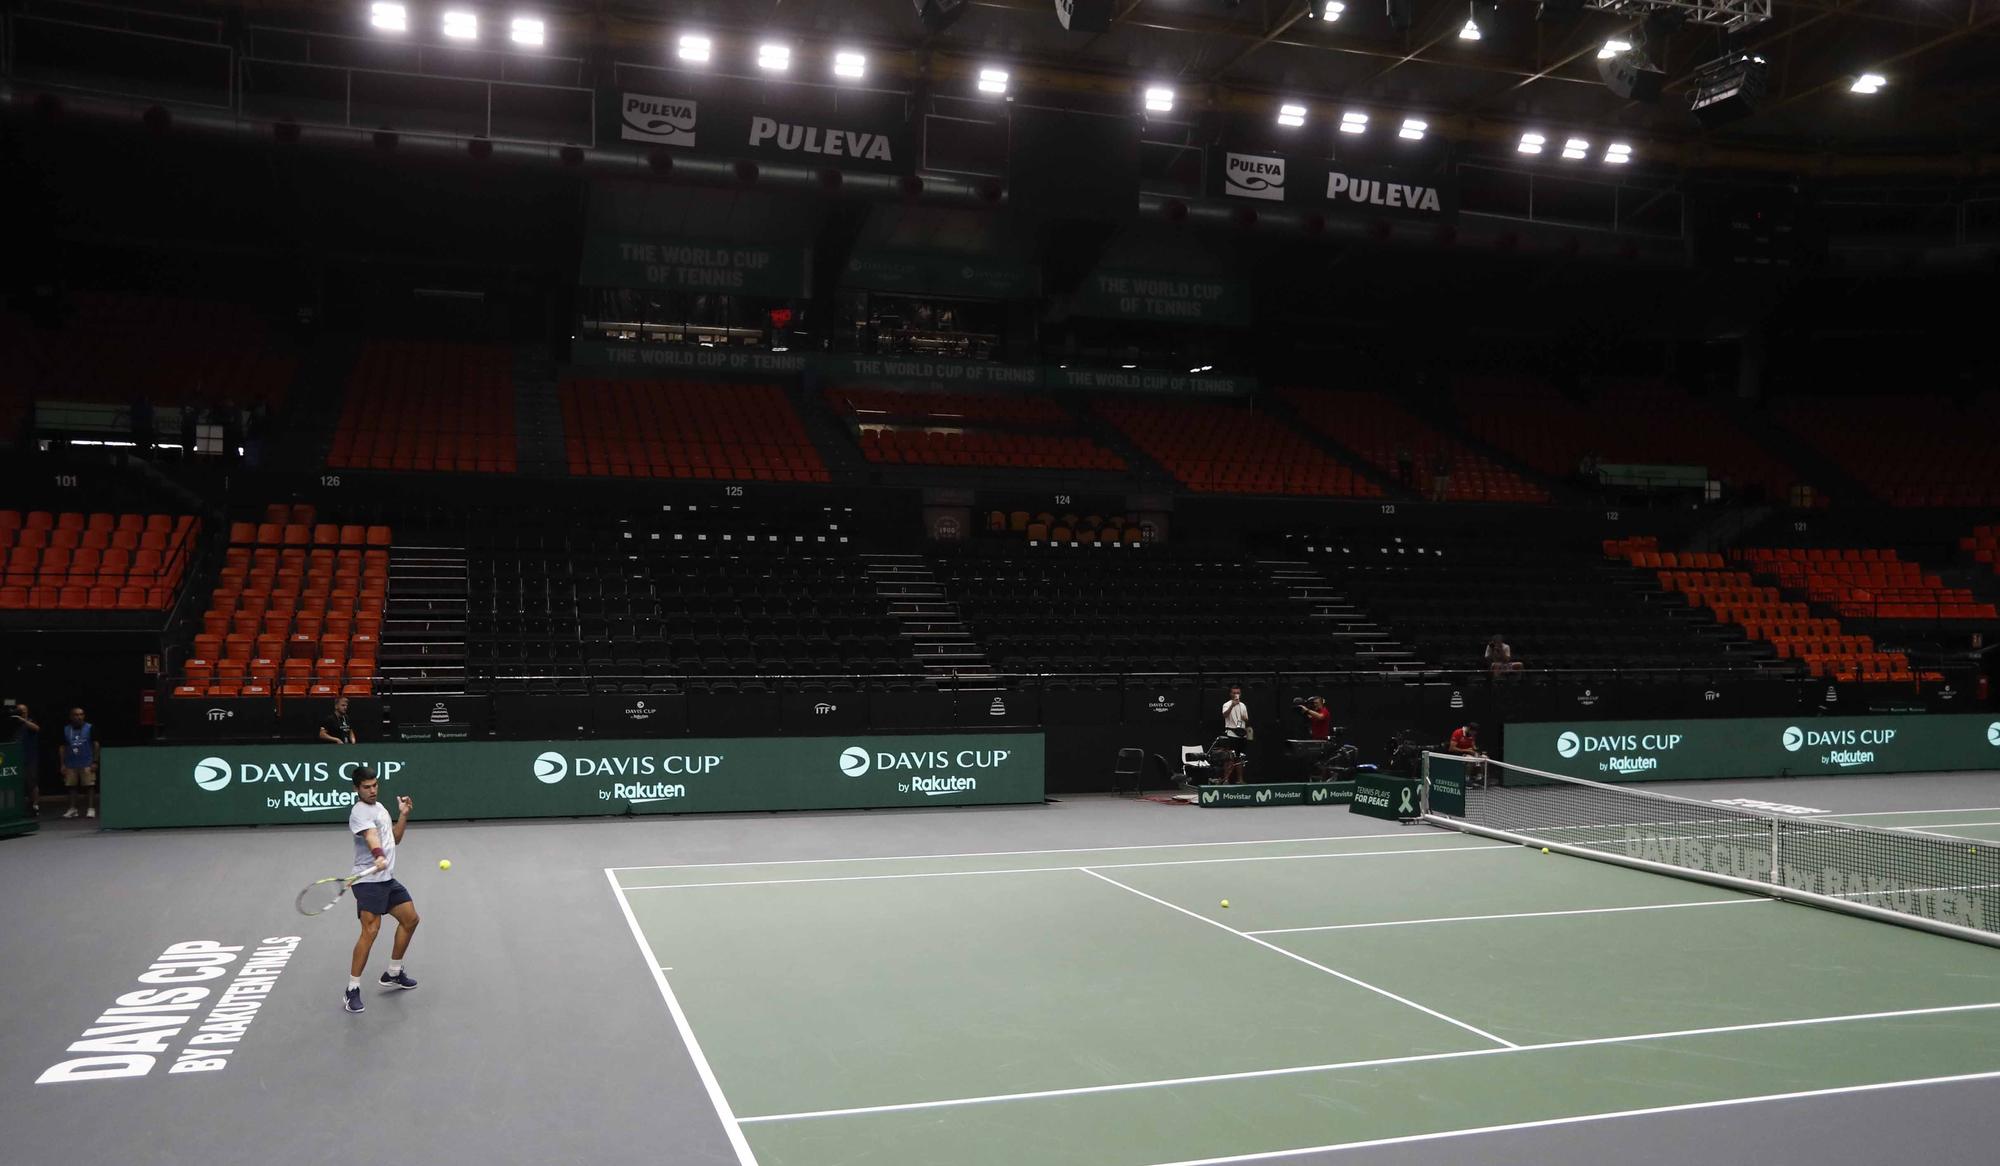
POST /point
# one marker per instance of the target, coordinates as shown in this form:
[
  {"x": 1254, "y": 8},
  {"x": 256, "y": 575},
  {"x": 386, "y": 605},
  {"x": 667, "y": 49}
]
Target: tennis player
[{"x": 376, "y": 891}]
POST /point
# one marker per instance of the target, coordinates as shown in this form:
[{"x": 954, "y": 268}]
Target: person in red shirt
[
  {"x": 1319, "y": 719},
  {"x": 1465, "y": 743}
]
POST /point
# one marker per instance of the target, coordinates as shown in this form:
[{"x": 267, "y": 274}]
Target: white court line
[
  {"x": 1545, "y": 1123},
  {"x": 945, "y": 874},
  {"x": 1895, "y": 813},
  {"x": 1292, "y": 955},
  {"x": 1374, "y": 1063},
  {"x": 730, "y": 1126},
  {"x": 1012, "y": 853},
  {"x": 1943, "y": 826},
  {"x": 1510, "y": 915}
]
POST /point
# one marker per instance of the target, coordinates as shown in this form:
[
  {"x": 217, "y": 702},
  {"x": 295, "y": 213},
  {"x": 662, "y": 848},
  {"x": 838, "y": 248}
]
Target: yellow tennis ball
[
  {"x": 1225, "y": 904},
  {"x": 1545, "y": 850},
  {"x": 444, "y": 864}
]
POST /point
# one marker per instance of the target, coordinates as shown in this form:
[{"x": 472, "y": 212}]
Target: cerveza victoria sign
[
  {"x": 256, "y": 784},
  {"x": 840, "y": 140}
]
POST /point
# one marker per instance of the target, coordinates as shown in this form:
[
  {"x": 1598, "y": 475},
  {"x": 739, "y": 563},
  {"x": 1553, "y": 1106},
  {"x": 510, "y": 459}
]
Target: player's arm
[
  {"x": 403, "y": 805},
  {"x": 372, "y": 839}
]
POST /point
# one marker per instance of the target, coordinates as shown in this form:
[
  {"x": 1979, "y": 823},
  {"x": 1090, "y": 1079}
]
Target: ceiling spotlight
[
  {"x": 850, "y": 64},
  {"x": 1159, "y": 99},
  {"x": 1413, "y": 129},
  {"x": 696, "y": 47},
  {"x": 993, "y": 80},
  {"x": 1868, "y": 83},
  {"x": 774, "y": 58},
  {"x": 461, "y": 25},
  {"x": 1576, "y": 148},
  {"x": 1471, "y": 29},
  {"x": 527, "y": 30},
  {"x": 1331, "y": 10},
  {"x": 1292, "y": 115},
  {"x": 1617, "y": 154},
  {"x": 389, "y": 17},
  {"x": 1531, "y": 143},
  {"x": 1353, "y": 122},
  {"x": 1612, "y": 48}
]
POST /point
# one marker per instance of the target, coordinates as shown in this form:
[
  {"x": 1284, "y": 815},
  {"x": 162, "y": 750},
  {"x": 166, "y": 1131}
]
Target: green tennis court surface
[{"x": 1100, "y": 1008}]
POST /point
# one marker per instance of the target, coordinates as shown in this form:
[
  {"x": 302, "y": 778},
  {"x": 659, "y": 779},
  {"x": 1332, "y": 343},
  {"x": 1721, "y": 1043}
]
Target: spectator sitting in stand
[{"x": 1500, "y": 657}]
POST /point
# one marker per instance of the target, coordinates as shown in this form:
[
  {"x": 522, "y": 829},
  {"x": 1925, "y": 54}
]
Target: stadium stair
[
  {"x": 1372, "y": 645},
  {"x": 931, "y": 625},
  {"x": 538, "y": 412},
  {"x": 1278, "y": 406},
  {"x": 424, "y": 625}
]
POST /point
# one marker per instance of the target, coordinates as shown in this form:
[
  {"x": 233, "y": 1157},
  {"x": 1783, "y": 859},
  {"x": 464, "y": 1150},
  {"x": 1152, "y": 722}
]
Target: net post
[{"x": 1424, "y": 784}]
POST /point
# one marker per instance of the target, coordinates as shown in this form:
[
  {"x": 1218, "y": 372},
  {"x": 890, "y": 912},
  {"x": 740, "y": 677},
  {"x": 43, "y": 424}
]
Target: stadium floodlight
[
  {"x": 1612, "y": 48},
  {"x": 1159, "y": 99},
  {"x": 1576, "y": 148},
  {"x": 695, "y": 47},
  {"x": 1413, "y": 129},
  {"x": 1291, "y": 115},
  {"x": 1471, "y": 29},
  {"x": 1617, "y": 154},
  {"x": 527, "y": 30},
  {"x": 389, "y": 17},
  {"x": 774, "y": 58},
  {"x": 1331, "y": 10},
  {"x": 1353, "y": 122},
  {"x": 1531, "y": 143},
  {"x": 993, "y": 81},
  {"x": 850, "y": 64},
  {"x": 461, "y": 25},
  {"x": 1868, "y": 83}
]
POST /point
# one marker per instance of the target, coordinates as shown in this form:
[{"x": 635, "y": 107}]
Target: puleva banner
[
  {"x": 1335, "y": 187},
  {"x": 243, "y": 785},
  {"x": 870, "y": 141},
  {"x": 1756, "y": 747}
]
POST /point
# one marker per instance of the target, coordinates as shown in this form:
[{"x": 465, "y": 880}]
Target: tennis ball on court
[
  {"x": 444, "y": 864},
  {"x": 1225, "y": 904},
  {"x": 1545, "y": 850}
]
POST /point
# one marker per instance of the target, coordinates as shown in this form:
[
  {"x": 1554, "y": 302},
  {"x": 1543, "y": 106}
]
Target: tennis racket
[{"x": 321, "y": 895}]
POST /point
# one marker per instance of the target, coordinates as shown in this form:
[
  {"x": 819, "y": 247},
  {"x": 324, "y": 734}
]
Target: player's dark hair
[{"x": 362, "y": 773}]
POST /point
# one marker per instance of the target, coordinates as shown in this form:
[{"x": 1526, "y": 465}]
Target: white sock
[
  {"x": 353, "y": 982},
  {"x": 396, "y": 969}
]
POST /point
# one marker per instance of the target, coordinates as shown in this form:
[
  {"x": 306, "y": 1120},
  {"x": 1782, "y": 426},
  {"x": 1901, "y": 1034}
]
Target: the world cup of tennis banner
[
  {"x": 1755, "y": 746},
  {"x": 240, "y": 785}
]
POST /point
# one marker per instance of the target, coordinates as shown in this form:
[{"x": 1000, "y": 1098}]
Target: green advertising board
[
  {"x": 695, "y": 265},
  {"x": 1387, "y": 796},
  {"x": 942, "y": 273},
  {"x": 1755, "y": 747},
  {"x": 687, "y": 358},
  {"x": 1279, "y": 793},
  {"x": 14, "y": 818},
  {"x": 1185, "y": 299},
  {"x": 243, "y": 785},
  {"x": 1446, "y": 778}
]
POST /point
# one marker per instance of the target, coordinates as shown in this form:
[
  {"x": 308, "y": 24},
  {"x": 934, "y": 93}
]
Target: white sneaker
[
  {"x": 70, "y": 813},
  {"x": 91, "y": 812}
]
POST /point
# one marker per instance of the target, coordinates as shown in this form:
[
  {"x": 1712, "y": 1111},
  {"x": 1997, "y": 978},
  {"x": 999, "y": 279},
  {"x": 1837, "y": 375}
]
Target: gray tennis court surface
[{"x": 1051, "y": 984}]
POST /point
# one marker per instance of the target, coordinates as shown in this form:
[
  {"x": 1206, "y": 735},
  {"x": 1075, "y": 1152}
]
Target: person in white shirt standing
[
  {"x": 1235, "y": 724},
  {"x": 376, "y": 891}
]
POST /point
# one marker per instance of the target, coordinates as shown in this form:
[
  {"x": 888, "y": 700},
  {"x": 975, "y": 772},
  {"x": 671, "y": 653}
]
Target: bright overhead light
[
  {"x": 1292, "y": 115},
  {"x": 1612, "y": 48},
  {"x": 1576, "y": 148},
  {"x": 389, "y": 17},
  {"x": 850, "y": 64},
  {"x": 1128, "y": 366},
  {"x": 1159, "y": 99},
  {"x": 527, "y": 30},
  {"x": 1471, "y": 29},
  {"x": 993, "y": 80},
  {"x": 1617, "y": 153},
  {"x": 774, "y": 58},
  {"x": 1531, "y": 143},
  {"x": 461, "y": 25},
  {"x": 695, "y": 47},
  {"x": 1353, "y": 122},
  {"x": 1413, "y": 129},
  {"x": 1868, "y": 83},
  {"x": 1331, "y": 10}
]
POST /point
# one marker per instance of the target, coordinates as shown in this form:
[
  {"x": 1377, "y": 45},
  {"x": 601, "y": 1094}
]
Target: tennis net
[{"x": 1926, "y": 880}]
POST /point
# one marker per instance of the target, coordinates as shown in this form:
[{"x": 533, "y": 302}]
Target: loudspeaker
[
  {"x": 1399, "y": 14},
  {"x": 1629, "y": 76},
  {"x": 1084, "y": 15},
  {"x": 939, "y": 15}
]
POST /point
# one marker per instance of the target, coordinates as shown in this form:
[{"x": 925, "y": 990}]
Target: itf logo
[
  {"x": 211, "y": 773},
  {"x": 854, "y": 761},
  {"x": 1569, "y": 744},
  {"x": 551, "y": 768},
  {"x": 1795, "y": 739}
]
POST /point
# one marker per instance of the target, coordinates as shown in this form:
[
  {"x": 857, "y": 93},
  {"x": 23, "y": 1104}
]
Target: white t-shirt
[
  {"x": 1235, "y": 715},
  {"x": 362, "y": 818}
]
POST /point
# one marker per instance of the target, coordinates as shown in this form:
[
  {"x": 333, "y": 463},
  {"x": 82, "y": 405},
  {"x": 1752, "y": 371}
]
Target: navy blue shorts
[{"x": 379, "y": 898}]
